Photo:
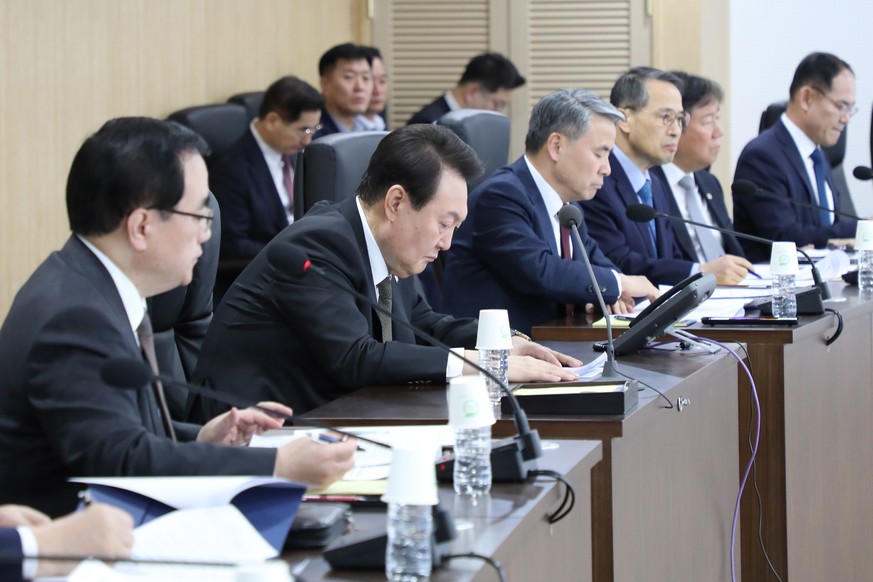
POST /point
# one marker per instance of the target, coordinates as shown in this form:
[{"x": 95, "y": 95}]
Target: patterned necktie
[
  {"x": 818, "y": 166},
  {"x": 708, "y": 242},
  {"x": 384, "y": 288},
  {"x": 147, "y": 343},
  {"x": 288, "y": 178},
  {"x": 645, "y": 195},
  {"x": 567, "y": 255}
]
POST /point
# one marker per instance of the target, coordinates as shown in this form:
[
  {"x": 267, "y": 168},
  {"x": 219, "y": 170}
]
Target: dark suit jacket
[
  {"x": 58, "y": 418},
  {"x": 431, "y": 112},
  {"x": 328, "y": 125},
  {"x": 10, "y": 546},
  {"x": 628, "y": 244},
  {"x": 772, "y": 162},
  {"x": 713, "y": 197},
  {"x": 307, "y": 340},
  {"x": 504, "y": 256},
  {"x": 251, "y": 211}
]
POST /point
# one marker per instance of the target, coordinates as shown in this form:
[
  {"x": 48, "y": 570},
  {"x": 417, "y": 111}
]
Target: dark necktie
[
  {"x": 818, "y": 166},
  {"x": 645, "y": 195},
  {"x": 384, "y": 289},
  {"x": 147, "y": 343},
  {"x": 567, "y": 255},
  {"x": 707, "y": 239},
  {"x": 288, "y": 178}
]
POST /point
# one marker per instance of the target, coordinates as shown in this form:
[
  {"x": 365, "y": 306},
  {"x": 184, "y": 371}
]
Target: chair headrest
[
  {"x": 487, "y": 132},
  {"x": 220, "y": 124}
]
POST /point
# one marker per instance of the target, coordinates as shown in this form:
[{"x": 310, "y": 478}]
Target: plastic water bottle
[
  {"x": 496, "y": 362},
  {"x": 408, "y": 555},
  {"x": 865, "y": 271},
  {"x": 784, "y": 300},
  {"x": 472, "y": 475}
]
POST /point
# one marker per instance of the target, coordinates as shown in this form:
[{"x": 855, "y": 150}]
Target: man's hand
[
  {"x": 236, "y": 427},
  {"x": 21, "y": 515},
  {"x": 728, "y": 270},
  {"x": 523, "y": 347},
  {"x": 529, "y": 369},
  {"x": 314, "y": 463}
]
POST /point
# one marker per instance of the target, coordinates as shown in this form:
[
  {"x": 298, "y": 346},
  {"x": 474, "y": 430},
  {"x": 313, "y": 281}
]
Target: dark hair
[
  {"x": 289, "y": 97},
  {"x": 414, "y": 157},
  {"x": 342, "y": 52},
  {"x": 566, "y": 111},
  {"x": 698, "y": 91},
  {"x": 493, "y": 72},
  {"x": 817, "y": 70},
  {"x": 131, "y": 162},
  {"x": 630, "y": 89},
  {"x": 373, "y": 53}
]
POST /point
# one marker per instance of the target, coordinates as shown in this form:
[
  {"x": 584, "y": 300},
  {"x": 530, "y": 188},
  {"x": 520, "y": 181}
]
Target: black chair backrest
[
  {"x": 487, "y": 132},
  {"x": 221, "y": 124},
  {"x": 251, "y": 101}
]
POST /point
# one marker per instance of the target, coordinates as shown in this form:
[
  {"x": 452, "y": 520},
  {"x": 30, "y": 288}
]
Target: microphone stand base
[{"x": 507, "y": 463}]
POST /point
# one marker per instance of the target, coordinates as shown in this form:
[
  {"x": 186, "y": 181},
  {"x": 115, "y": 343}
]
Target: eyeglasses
[
  {"x": 203, "y": 220},
  {"x": 844, "y": 108},
  {"x": 310, "y": 130},
  {"x": 668, "y": 118}
]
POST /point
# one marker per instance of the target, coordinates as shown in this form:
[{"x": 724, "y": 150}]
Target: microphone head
[
  {"x": 288, "y": 258},
  {"x": 570, "y": 215},
  {"x": 640, "y": 212},
  {"x": 863, "y": 173},
  {"x": 127, "y": 373},
  {"x": 744, "y": 188}
]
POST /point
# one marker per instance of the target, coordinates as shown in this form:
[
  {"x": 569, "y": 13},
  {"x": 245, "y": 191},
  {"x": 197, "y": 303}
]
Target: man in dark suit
[
  {"x": 253, "y": 180},
  {"x": 486, "y": 83},
  {"x": 100, "y": 530},
  {"x": 786, "y": 159},
  {"x": 692, "y": 191},
  {"x": 347, "y": 85},
  {"x": 651, "y": 102},
  {"x": 511, "y": 252},
  {"x": 137, "y": 197},
  {"x": 306, "y": 340}
]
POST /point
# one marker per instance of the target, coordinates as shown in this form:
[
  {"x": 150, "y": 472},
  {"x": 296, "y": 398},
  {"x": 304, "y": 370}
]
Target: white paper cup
[
  {"x": 412, "y": 480},
  {"x": 494, "y": 331},
  {"x": 270, "y": 571},
  {"x": 469, "y": 403},
  {"x": 783, "y": 259},
  {"x": 863, "y": 236}
]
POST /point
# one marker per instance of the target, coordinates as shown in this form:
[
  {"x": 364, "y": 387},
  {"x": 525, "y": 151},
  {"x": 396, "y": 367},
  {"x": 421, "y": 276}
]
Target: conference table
[
  {"x": 662, "y": 497},
  {"x": 509, "y": 525},
  {"x": 815, "y": 460}
]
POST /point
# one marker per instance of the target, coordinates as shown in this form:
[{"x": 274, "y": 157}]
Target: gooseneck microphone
[
  {"x": 132, "y": 374},
  {"x": 570, "y": 217},
  {"x": 511, "y": 463},
  {"x": 747, "y": 188},
  {"x": 863, "y": 173},
  {"x": 645, "y": 213}
]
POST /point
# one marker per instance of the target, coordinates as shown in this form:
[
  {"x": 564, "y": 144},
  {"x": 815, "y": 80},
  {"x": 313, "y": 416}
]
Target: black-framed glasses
[
  {"x": 203, "y": 220},
  {"x": 844, "y": 108}
]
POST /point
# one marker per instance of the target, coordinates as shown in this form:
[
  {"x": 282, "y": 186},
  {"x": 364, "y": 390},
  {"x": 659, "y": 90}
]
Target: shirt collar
[
  {"x": 341, "y": 127},
  {"x": 378, "y": 267},
  {"x": 550, "y": 197},
  {"x": 634, "y": 175},
  {"x": 450, "y": 99},
  {"x": 271, "y": 156},
  {"x": 804, "y": 145},
  {"x": 134, "y": 303},
  {"x": 364, "y": 123}
]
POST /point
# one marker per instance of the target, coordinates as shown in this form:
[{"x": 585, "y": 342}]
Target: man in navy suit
[
  {"x": 347, "y": 86},
  {"x": 253, "y": 180},
  {"x": 651, "y": 101},
  {"x": 693, "y": 192},
  {"x": 486, "y": 83},
  {"x": 509, "y": 253},
  {"x": 787, "y": 160}
]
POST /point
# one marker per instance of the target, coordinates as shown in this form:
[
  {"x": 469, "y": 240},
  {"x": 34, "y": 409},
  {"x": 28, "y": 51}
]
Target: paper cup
[
  {"x": 863, "y": 236},
  {"x": 783, "y": 259},
  {"x": 469, "y": 403},
  {"x": 412, "y": 480},
  {"x": 270, "y": 571},
  {"x": 494, "y": 331}
]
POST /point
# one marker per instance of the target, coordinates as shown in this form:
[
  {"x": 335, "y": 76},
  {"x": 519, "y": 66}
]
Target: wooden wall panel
[{"x": 68, "y": 66}]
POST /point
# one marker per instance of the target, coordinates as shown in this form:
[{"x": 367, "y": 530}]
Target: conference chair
[
  {"x": 835, "y": 153},
  {"x": 220, "y": 124},
  {"x": 487, "y": 132},
  {"x": 251, "y": 101},
  {"x": 181, "y": 316},
  {"x": 331, "y": 167}
]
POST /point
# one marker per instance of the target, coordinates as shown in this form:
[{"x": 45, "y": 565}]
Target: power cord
[
  {"x": 567, "y": 502},
  {"x": 839, "y": 332},
  {"x": 649, "y": 386},
  {"x": 490, "y": 561}
]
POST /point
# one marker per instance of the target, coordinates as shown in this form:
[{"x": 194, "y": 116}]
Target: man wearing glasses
[
  {"x": 254, "y": 180},
  {"x": 651, "y": 101},
  {"x": 787, "y": 160}
]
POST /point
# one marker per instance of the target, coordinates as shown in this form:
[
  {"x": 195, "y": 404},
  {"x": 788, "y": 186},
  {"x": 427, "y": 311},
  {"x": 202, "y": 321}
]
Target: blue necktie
[
  {"x": 645, "y": 195},
  {"x": 818, "y": 166}
]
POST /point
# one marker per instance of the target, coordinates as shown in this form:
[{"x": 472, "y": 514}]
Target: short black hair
[
  {"x": 698, "y": 91},
  {"x": 493, "y": 72},
  {"x": 342, "y": 52},
  {"x": 817, "y": 70},
  {"x": 288, "y": 97},
  {"x": 630, "y": 89},
  {"x": 130, "y": 163},
  {"x": 414, "y": 157},
  {"x": 374, "y": 53}
]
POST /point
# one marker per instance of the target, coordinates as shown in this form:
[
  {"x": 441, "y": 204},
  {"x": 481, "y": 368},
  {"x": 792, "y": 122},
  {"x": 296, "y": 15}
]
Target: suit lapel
[
  {"x": 541, "y": 217},
  {"x": 265, "y": 187},
  {"x": 628, "y": 196},
  {"x": 794, "y": 159},
  {"x": 683, "y": 240}
]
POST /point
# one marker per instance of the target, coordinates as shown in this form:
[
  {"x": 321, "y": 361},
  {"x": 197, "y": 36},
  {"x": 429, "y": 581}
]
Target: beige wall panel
[{"x": 66, "y": 66}]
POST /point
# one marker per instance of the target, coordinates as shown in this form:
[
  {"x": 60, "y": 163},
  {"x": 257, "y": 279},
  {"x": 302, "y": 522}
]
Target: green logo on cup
[
  {"x": 471, "y": 408},
  {"x": 784, "y": 260}
]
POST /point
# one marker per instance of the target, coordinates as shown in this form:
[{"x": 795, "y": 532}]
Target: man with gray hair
[
  {"x": 651, "y": 101},
  {"x": 511, "y": 252}
]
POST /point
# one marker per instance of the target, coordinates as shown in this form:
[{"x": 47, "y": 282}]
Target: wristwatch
[{"x": 516, "y": 333}]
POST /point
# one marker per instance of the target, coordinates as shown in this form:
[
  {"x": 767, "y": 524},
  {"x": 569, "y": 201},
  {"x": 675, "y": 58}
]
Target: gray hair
[
  {"x": 630, "y": 89},
  {"x": 566, "y": 111}
]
